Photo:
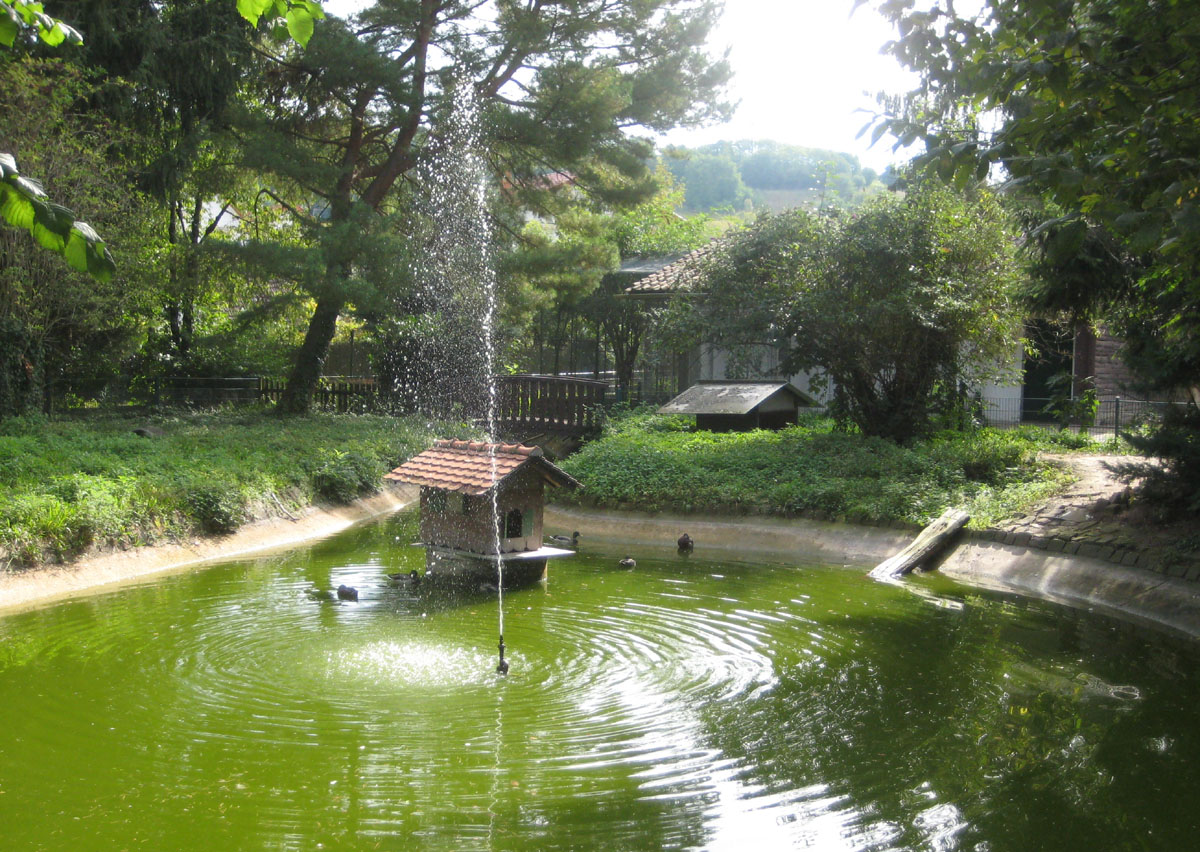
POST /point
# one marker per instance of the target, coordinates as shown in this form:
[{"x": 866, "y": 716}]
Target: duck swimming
[
  {"x": 347, "y": 593},
  {"x": 573, "y": 541},
  {"x": 628, "y": 562},
  {"x": 686, "y": 545},
  {"x": 412, "y": 578}
]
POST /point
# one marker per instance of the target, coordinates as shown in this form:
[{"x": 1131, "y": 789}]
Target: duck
[
  {"x": 686, "y": 545},
  {"x": 628, "y": 562},
  {"x": 412, "y": 578},
  {"x": 347, "y": 593},
  {"x": 573, "y": 541}
]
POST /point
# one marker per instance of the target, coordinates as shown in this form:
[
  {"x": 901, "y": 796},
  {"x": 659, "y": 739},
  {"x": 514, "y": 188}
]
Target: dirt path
[{"x": 1095, "y": 517}]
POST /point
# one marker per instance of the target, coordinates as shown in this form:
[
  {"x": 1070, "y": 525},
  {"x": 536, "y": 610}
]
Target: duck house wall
[
  {"x": 747, "y": 422},
  {"x": 464, "y": 522}
]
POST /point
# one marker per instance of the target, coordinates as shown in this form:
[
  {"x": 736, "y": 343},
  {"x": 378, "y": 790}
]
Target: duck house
[
  {"x": 741, "y": 406},
  {"x": 462, "y": 483}
]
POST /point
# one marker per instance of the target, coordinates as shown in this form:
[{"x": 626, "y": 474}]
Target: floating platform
[{"x": 447, "y": 566}]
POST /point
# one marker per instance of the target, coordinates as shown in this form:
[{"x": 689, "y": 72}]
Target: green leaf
[
  {"x": 8, "y": 29},
  {"x": 76, "y": 252},
  {"x": 252, "y": 10},
  {"x": 54, "y": 36},
  {"x": 28, "y": 186},
  {"x": 16, "y": 207},
  {"x": 300, "y": 25}
]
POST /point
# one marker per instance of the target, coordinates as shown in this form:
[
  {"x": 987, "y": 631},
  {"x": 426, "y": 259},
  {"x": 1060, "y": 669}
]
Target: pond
[{"x": 689, "y": 703}]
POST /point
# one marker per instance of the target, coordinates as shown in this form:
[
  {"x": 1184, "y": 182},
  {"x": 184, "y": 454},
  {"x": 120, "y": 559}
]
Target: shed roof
[
  {"x": 474, "y": 467},
  {"x": 676, "y": 275},
  {"x": 731, "y": 397}
]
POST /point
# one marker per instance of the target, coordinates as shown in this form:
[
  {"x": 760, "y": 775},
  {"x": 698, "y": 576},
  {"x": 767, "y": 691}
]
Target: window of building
[{"x": 514, "y": 524}]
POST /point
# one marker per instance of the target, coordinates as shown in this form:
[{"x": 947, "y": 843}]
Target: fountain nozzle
[{"x": 503, "y": 667}]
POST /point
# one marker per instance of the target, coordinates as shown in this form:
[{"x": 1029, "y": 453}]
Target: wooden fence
[
  {"x": 549, "y": 403},
  {"x": 333, "y": 393}
]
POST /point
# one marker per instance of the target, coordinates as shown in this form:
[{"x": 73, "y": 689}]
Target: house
[
  {"x": 1088, "y": 357},
  {"x": 759, "y": 362},
  {"x": 741, "y": 406},
  {"x": 462, "y": 483}
]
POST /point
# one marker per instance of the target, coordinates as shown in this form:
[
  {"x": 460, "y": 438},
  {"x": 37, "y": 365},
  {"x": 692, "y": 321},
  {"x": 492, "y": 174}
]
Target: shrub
[
  {"x": 217, "y": 507},
  {"x": 344, "y": 476}
]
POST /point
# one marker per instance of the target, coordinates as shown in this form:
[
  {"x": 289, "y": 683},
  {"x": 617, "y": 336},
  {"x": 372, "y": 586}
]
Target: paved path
[{"x": 1092, "y": 518}]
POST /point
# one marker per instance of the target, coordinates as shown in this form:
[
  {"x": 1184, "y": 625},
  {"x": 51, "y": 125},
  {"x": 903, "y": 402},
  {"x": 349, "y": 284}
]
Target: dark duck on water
[{"x": 563, "y": 541}]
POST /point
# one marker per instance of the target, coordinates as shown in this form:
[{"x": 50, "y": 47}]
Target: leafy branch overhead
[
  {"x": 23, "y": 204},
  {"x": 21, "y": 15},
  {"x": 294, "y": 18}
]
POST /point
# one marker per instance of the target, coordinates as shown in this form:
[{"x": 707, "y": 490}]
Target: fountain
[
  {"x": 699, "y": 702},
  {"x": 708, "y": 700}
]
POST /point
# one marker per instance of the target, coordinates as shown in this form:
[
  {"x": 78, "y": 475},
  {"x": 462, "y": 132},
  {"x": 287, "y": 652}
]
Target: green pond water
[{"x": 691, "y": 703}]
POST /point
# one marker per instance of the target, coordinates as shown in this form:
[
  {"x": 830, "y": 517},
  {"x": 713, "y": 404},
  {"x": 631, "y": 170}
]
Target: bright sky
[{"x": 803, "y": 69}]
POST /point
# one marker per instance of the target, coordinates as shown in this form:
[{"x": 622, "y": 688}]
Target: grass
[
  {"x": 69, "y": 484},
  {"x": 655, "y": 463}
]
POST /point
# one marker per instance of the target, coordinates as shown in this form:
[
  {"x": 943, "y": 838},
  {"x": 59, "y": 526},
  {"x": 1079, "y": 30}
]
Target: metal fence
[{"x": 1112, "y": 415}]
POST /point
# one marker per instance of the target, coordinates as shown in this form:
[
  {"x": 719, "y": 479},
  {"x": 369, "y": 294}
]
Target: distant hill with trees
[{"x": 771, "y": 175}]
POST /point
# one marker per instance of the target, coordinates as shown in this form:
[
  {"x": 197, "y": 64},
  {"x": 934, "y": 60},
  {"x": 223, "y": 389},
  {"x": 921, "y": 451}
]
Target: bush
[
  {"x": 648, "y": 463},
  {"x": 218, "y": 508},
  {"x": 1174, "y": 487},
  {"x": 66, "y": 485},
  {"x": 344, "y": 476}
]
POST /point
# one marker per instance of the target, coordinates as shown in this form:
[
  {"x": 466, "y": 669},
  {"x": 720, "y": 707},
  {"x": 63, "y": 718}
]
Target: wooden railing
[{"x": 549, "y": 403}]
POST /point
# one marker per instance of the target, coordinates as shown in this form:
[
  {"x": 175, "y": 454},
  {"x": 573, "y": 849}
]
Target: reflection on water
[{"x": 688, "y": 704}]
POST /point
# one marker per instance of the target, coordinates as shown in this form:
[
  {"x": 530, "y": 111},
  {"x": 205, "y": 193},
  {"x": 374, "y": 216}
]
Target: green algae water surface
[{"x": 691, "y": 703}]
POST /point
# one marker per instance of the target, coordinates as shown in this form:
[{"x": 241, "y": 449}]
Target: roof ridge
[{"x": 485, "y": 448}]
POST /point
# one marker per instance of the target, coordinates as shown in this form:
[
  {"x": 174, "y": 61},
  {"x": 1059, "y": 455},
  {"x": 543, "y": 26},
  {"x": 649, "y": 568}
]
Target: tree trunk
[{"x": 302, "y": 382}]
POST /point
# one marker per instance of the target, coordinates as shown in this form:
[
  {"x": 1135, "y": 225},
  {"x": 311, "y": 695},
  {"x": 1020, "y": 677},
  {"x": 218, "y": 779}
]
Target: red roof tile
[
  {"x": 473, "y": 467},
  {"x": 680, "y": 275}
]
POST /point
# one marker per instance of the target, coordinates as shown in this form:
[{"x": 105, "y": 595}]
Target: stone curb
[{"x": 1047, "y": 532}]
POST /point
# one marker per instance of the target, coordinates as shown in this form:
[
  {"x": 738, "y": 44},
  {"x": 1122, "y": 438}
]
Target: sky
[{"x": 803, "y": 70}]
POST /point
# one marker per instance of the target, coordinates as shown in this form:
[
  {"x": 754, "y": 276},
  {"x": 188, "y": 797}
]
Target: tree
[
  {"x": 23, "y": 202},
  {"x": 1092, "y": 103},
  {"x": 712, "y": 179},
  {"x": 559, "y": 83},
  {"x": 76, "y": 324},
  {"x": 176, "y": 114},
  {"x": 895, "y": 305}
]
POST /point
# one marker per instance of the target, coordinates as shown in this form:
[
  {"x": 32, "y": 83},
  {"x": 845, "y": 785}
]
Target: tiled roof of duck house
[{"x": 474, "y": 467}]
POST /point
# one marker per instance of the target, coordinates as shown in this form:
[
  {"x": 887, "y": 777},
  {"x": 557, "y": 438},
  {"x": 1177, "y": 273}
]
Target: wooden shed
[
  {"x": 741, "y": 406},
  {"x": 458, "y": 481}
]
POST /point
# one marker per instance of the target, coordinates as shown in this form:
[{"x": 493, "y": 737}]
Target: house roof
[
  {"x": 732, "y": 397},
  {"x": 474, "y": 467},
  {"x": 641, "y": 265},
  {"x": 675, "y": 275}
]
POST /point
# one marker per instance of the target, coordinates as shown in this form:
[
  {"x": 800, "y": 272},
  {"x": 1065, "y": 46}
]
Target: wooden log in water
[{"x": 925, "y": 547}]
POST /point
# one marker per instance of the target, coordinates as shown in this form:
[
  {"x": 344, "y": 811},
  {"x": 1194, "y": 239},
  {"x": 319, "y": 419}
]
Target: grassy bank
[
  {"x": 657, "y": 463},
  {"x": 66, "y": 485}
]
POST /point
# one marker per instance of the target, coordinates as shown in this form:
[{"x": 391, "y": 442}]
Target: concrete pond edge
[
  {"x": 102, "y": 570},
  {"x": 1005, "y": 564},
  {"x": 1074, "y": 579}
]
